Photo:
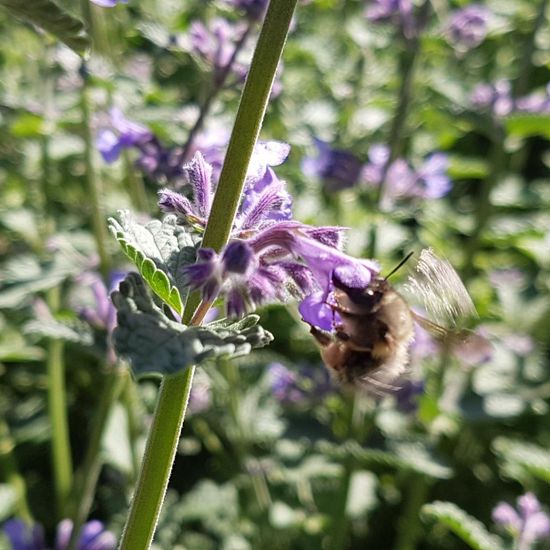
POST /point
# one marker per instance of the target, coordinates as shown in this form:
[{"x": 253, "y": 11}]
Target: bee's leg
[{"x": 323, "y": 338}]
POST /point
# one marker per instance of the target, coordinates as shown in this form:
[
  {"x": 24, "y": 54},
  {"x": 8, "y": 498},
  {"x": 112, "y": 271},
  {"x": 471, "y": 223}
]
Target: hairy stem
[{"x": 174, "y": 394}]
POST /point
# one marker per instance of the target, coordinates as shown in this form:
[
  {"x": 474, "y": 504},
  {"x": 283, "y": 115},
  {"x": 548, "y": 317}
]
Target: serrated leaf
[
  {"x": 49, "y": 16},
  {"x": 159, "y": 250},
  {"x": 520, "y": 457},
  {"x": 469, "y": 529},
  {"x": 73, "y": 331},
  {"x": 154, "y": 343}
]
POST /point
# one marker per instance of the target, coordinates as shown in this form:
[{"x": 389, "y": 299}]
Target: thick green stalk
[
  {"x": 157, "y": 461},
  {"x": 86, "y": 479},
  {"x": 174, "y": 393}
]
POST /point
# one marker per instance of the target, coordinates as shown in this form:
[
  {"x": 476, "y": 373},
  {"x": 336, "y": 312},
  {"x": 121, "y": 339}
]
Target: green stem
[
  {"x": 407, "y": 67},
  {"x": 410, "y": 525},
  {"x": 92, "y": 182},
  {"x": 85, "y": 484},
  {"x": 174, "y": 394},
  {"x": 483, "y": 209},
  {"x": 57, "y": 411},
  {"x": 136, "y": 189},
  {"x": 157, "y": 461},
  {"x": 130, "y": 400},
  {"x": 8, "y": 466}
]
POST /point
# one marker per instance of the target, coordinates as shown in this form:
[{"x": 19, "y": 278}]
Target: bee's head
[{"x": 360, "y": 300}]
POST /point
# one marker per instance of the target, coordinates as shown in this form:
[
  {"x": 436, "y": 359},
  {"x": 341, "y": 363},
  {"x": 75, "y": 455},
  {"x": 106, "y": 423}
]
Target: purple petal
[
  {"x": 316, "y": 312},
  {"x": 23, "y": 536},
  {"x": 199, "y": 175},
  {"x": 108, "y": 145},
  {"x": 506, "y": 516}
]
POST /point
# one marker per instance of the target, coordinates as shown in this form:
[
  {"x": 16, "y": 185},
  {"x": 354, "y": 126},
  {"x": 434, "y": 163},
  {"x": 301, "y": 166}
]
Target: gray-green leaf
[
  {"x": 49, "y": 16},
  {"x": 159, "y": 250},
  {"x": 154, "y": 343}
]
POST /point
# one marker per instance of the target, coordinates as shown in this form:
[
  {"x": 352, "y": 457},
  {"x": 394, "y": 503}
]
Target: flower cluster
[
  {"x": 93, "y": 536},
  {"x": 468, "y": 27},
  {"x": 337, "y": 168},
  {"x": 399, "y": 12},
  {"x": 497, "y": 98},
  {"x": 158, "y": 162},
  {"x": 109, "y": 3},
  {"x": 429, "y": 181},
  {"x": 528, "y": 524},
  {"x": 269, "y": 256},
  {"x": 298, "y": 387}
]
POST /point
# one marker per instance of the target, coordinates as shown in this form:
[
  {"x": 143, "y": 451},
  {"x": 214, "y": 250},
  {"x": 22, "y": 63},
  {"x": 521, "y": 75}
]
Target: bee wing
[
  {"x": 439, "y": 287},
  {"x": 469, "y": 346}
]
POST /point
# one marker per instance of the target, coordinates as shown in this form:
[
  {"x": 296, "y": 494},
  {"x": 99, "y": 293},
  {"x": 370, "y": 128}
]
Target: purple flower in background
[
  {"x": 93, "y": 536},
  {"x": 468, "y": 26},
  {"x": 496, "y": 98},
  {"x": 406, "y": 397},
  {"x": 537, "y": 102},
  {"x": 108, "y": 3},
  {"x": 338, "y": 169},
  {"x": 301, "y": 386},
  {"x": 253, "y": 8},
  {"x": 430, "y": 181},
  {"x": 216, "y": 44},
  {"x": 528, "y": 524},
  {"x": 399, "y": 12},
  {"x": 123, "y": 134},
  {"x": 201, "y": 393}
]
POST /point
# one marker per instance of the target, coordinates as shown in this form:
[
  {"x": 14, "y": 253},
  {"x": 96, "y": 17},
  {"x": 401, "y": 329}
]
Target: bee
[{"x": 375, "y": 328}]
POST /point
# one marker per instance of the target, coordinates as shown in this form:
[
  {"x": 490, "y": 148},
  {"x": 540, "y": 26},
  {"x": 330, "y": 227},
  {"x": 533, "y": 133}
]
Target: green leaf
[
  {"x": 154, "y": 343},
  {"x": 520, "y": 458},
  {"x": 407, "y": 456},
  {"x": 49, "y": 16},
  {"x": 159, "y": 250},
  {"x": 528, "y": 124},
  {"x": 469, "y": 529}
]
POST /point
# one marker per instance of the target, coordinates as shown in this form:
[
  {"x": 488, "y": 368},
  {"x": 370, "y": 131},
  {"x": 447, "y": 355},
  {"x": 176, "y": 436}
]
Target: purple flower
[
  {"x": 468, "y": 26},
  {"x": 337, "y": 168},
  {"x": 93, "y": 536},
  {"x": 201, "y": 393},
  {"x": 537, "y": 102},
  {"x": 430, "y": 181},
  {"x": 528, "y": 524},
  {"x": 496, "y": 98},
  {"x": 407, "y": 396},
  {"x": 215, "y": 45},
  {"x": 399, "y": 12},
  {"x": 254, "y": 9},
  {"x": 269, "y": 256},
  {"x": 298, "y": 387},
  {"x": 109, "y": 3},
  {"x": 122, "y": 135}
]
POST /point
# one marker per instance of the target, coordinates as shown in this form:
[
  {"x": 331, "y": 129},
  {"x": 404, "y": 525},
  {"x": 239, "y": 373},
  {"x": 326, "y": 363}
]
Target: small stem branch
[
  {"x": 93, "y": 187},
  {"x": 57, "y": 411},
  {"x": 410, "y": 526},
  {"x": 407, "y": 67},
  {"x": 217, "y": 85}
]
